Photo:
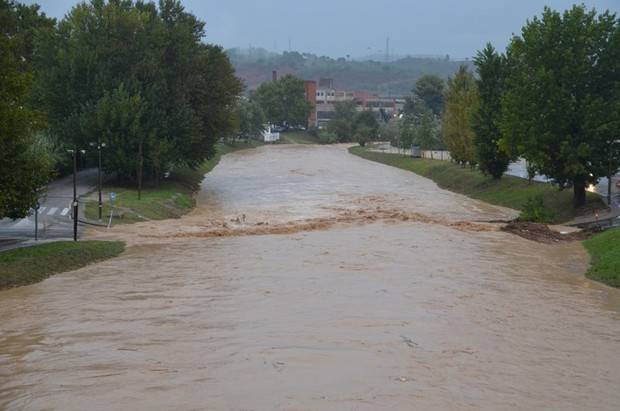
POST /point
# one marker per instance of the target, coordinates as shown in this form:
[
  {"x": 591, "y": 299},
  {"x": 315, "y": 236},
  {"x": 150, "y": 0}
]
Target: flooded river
[{"x": 310, "y": 279}]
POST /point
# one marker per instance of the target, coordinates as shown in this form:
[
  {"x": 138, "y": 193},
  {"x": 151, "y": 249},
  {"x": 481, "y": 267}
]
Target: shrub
[
  {"x": 534, "y": 210},
  {"x": 325, "y": 137}
]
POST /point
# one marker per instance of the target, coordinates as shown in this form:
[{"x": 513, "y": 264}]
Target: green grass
[
  {"x": 170, "y": 199},
  {"x": 29, "y": 265},
  {"x": 605, "y": 251},
  {"x": 509, "y": 191},
  {"x": 298, "y": 137}
]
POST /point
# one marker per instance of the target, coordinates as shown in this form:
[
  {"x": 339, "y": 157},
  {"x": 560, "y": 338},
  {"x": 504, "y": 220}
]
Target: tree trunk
[
  {"x": 140, "y": 163},
  {"x": 579, "y": 192}
]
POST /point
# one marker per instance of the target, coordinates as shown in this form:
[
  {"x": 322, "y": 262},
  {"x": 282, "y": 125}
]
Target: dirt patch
[{"x": 542, "y": 233}]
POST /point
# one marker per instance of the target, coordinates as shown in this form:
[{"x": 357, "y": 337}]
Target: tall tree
[
  {"x": 461, "y": 102},
  {"x": 127, "y": 51},
  {"x": 251, "y": 118},
  {"x": 492, "y": 72},
  {"x": 24, "y": 167},
  {"x": 284, "y": 101},
  {"x": 563, "y": 76},
  {"x": 429, "y": 89},
  {"x": 342, "y": 122},
  {"x": 368, "y": 120},
  {"x": 426, "y": 131}
]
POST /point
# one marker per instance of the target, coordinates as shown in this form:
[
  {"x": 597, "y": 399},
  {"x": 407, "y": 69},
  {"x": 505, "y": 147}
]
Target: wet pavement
[{"x": 310, "y": 279}]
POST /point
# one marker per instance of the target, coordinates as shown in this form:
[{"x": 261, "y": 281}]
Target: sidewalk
[{"x": 603, "y": 218}]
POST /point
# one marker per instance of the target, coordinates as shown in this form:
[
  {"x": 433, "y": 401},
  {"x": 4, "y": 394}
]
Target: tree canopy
[
  {"x": 461, "y": 102},
  {"x": 429, "y": 89},
  {"x": 24, "y": 166},
  {"x": 558, "y": 110},
  {"x": 139, "y": 76},
  {"x": 284, "y": 101},
  {"x": 492, "y": 71}
]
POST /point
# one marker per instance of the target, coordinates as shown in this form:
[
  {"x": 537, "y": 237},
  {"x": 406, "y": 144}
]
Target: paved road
[{"x": 54, "y": 219}]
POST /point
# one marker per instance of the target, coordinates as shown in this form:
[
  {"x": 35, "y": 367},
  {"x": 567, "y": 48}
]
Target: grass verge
[
  {"x": 29, "y": 265},
  {"x": 509, "y": 191},
  {"x": 298, "y": 137},
  {"x": 605, "y": 251},
  {"x": 170, "y": 199}
]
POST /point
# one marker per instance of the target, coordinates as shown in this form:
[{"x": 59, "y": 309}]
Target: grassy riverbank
[
  {"x": 170, "y": 199},
  {"x": 605, "y": 251},
  {"x": 298, "y": 137},
  {"x": 512, "y": 192},
  {"x": 29, "y": 265}
]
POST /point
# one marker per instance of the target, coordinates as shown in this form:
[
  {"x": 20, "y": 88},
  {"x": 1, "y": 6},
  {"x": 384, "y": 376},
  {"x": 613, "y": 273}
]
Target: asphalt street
[{"x": 55, "y": 212}]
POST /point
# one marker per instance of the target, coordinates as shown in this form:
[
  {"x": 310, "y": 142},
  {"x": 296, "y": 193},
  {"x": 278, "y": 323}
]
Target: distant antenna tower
[
  {"x": 289, "y": 44},
  {"x": 387, "y": 50}
]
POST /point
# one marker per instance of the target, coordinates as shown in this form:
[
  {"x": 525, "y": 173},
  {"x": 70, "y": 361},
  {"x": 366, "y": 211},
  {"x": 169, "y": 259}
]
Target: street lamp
[
  {"x": 99, "y": 146},
  {"x": 75, "y": 202},
  {"x": 609, "y": 170}
]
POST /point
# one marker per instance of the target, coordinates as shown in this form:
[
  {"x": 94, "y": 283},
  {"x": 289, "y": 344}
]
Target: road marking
[
  {"x": 52, "y": 211},
  {"x": 41, "y": 210},
  {"x": 64, "y": 211}
]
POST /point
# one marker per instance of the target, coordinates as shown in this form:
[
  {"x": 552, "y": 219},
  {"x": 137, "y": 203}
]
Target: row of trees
[
  {"x": 281, "y": 103},
  {"x": 348, "y": 124},
  {"x": 553, "y": 98},
  {"x": 24, "y": 165},
  {"x": 420, "y": 122},
  {"x": 133, "y": 74}
]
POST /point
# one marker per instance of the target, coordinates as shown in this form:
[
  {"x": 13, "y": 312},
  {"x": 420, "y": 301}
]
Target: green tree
[
  {"x": 492, "y": 72},
  {"x": 251, "y": 118},
  {"x": 24, "y": 165},
  {"x": 563, "y": 78},
  {"x": 429, "y": 89},
  {"x": 363, "y": 134},
  {"x": 366, "y": 119},
  {"x": 426, "y": 131},
  {"x": 342, "y": 123},
  {"x": 284, "y": 101},
  {"x": 132, "y": 51},
  {"x": 407, "y": 133},
  {"x": 461, "y": 102}
]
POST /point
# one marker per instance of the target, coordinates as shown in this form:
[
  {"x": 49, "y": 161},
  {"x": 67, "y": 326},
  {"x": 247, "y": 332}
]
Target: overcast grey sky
[{"x": 360, "y": 27}]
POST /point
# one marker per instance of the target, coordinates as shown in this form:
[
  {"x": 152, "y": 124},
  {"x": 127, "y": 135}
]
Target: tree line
[
  {"x": 132, "y": 74},
  {"x": 553, "y": 98}
]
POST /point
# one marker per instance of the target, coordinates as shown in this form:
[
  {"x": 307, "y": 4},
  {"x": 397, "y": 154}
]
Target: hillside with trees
[{"x": 397, "y": 77}]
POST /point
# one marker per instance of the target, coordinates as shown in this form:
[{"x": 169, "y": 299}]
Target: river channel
[{"x": 311, "y": 279}]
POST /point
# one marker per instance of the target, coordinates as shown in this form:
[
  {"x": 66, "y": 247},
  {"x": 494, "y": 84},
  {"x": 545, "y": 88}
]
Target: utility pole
[{"x": 75, "y": 201}]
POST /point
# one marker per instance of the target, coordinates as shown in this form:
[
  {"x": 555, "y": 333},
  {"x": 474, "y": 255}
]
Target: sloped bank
[{"x": 24, "y": 266}]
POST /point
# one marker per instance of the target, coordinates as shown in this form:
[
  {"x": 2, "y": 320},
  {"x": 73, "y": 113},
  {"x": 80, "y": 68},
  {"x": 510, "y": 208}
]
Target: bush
[
  {"x": 325, "y": 137},
  {"x": 313, "y": 131},
  {"x": 534, "y": 210}
]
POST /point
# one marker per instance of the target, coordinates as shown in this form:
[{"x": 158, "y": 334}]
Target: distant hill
[{"x": 395, "y": 78}]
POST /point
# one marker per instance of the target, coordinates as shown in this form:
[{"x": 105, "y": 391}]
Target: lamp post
[
  {"x": 609, "y": 170},
  {"x": 99, "y": 147},
  {"x": 75, "y": 202}
]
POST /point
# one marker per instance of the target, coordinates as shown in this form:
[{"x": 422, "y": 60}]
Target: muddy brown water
[{"x": 310, "y": 279}]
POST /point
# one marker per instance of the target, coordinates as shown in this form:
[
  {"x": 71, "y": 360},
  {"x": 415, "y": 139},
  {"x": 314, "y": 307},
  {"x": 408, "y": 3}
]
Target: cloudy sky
[{"x": 360, "y": 27}]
